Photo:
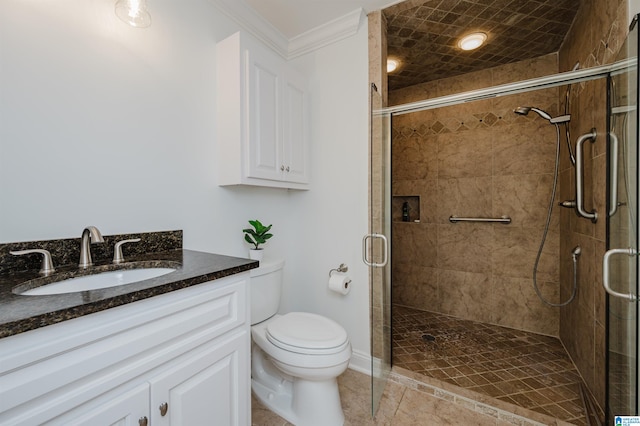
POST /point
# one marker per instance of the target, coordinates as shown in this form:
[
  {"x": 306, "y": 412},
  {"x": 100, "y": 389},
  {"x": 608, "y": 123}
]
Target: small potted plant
[{"x": 256, "y": 236}]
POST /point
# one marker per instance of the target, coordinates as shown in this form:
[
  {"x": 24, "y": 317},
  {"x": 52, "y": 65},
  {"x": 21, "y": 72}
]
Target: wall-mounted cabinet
[{"x": 262, "y": 129}]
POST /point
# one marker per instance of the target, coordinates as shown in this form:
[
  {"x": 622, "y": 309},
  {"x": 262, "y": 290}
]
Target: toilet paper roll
[{"x": 340, "y": 283}]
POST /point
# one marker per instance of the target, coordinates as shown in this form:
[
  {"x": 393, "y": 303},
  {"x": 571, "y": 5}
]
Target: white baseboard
[{"x": 360, "y": 362}]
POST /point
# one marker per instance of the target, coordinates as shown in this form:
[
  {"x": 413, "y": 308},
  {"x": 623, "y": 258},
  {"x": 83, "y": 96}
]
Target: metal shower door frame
[{"x": 375, "y": 249}]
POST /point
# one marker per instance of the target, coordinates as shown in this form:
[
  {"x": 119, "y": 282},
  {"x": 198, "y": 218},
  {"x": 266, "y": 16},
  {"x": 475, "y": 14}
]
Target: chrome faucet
[{"x": 92, "y": 235}]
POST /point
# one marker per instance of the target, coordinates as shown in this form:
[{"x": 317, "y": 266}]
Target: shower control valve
[{"x": 569, "y": 204}]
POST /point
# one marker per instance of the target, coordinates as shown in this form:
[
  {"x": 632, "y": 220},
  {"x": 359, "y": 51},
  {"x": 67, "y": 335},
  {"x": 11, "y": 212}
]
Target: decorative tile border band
[{"x": 470, "y": 121}]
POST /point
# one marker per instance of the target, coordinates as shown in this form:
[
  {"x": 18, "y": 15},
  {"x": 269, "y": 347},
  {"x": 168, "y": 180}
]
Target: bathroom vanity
[{"x": 169, "y": 350}]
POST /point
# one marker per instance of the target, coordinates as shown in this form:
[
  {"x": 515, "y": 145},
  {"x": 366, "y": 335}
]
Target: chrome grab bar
[
  {"x": 365, "y": 246},
  {"x": 504, "y": 219},
  {"x": 580, "y": 178},
  {"x": 605, "y": 273},
  {"x": 613, "y": 199}
]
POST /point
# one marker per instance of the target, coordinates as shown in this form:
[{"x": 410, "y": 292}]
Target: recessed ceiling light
[
  {"x": 472, "y": 41},
  {"x": 392, "y": 65}
]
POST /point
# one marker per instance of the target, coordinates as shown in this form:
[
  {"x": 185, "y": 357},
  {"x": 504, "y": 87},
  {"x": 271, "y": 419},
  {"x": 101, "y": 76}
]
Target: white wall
[
  {"x": 332, "y": 218},
  {"x": 109, "y": 125}
]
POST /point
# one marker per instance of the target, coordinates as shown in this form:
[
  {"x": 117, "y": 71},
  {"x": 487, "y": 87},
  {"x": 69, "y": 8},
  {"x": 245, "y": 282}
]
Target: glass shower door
[
  {"x": 376, "y": 250},
  {"x": 620, "y": 264}
]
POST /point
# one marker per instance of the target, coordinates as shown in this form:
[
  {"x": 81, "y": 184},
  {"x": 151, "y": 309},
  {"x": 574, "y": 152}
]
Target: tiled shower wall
[
  {"x": 477, "y": 159},
  {"x": 595, "y": 38}
]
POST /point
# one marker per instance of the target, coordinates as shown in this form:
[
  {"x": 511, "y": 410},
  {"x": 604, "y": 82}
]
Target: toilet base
[
  {"x": 304, "y": 409},
  {"x": 301, "y": 402}
]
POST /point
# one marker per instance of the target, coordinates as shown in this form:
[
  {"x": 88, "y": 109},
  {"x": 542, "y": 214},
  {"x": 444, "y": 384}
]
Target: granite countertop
[{"x": 23, "y": 313}]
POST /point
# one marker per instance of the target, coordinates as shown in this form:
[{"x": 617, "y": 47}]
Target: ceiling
[{"x": 422, "y": 34}]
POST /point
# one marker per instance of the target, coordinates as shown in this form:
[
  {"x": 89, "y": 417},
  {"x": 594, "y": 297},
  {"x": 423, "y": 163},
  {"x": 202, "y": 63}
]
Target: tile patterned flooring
[
  {"x": 407, "y": 402},
  {"x": 449, "y": 371},
  {"x": 526, "y": 369}
]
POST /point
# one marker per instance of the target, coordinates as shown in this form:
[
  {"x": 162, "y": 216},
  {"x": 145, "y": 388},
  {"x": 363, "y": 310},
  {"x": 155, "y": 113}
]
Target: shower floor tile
[{"x": 527, "y": 369}]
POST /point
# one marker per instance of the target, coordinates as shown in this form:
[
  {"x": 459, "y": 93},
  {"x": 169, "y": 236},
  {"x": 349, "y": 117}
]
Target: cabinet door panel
[
  {"x": 295, "y": 128},
  {"x": 209, "y": 387},
  {"x": 117, "y": 408},
  {"x": 265, "y": 159}
]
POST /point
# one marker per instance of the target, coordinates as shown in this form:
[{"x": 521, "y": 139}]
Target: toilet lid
[{"x": 305, "y": 332}]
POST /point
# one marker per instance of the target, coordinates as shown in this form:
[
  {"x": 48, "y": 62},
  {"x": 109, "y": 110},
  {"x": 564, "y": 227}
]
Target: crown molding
[
  {"x": 252, "y": 22},
  {"x": 323, "y": 35},
  {"x": 247, "y": 18}
]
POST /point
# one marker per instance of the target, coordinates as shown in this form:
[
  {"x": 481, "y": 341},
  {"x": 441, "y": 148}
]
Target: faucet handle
[
  {"x": 46, "y": 268},
  {"x": 117, "y": 249}
]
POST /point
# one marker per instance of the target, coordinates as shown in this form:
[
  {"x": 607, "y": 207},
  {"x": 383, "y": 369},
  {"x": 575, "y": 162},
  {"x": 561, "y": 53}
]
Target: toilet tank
[{"x": 266, "y": 288}]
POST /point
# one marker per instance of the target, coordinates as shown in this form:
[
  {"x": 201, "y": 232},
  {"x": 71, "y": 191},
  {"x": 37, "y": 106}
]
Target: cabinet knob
[
  {"x": 282, "y": 168},
  {"x": 143, "y": 421},
  {"x": 288, "y": 169},
  {"x": 163, "y": 408}
]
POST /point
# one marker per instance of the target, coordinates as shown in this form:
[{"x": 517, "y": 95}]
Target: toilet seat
[{"x": 306, "y": 333}]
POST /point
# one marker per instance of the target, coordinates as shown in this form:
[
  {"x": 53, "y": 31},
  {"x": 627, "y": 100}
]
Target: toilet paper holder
[{"x": 341, "y": 268}]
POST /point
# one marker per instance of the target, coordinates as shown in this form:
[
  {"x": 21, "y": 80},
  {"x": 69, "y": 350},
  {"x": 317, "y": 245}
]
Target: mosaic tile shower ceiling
[{"x": 422, "y": 34}]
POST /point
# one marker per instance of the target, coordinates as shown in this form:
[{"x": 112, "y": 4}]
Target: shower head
[
  {"x": 525, "y": 111},
  {"x": 556, "y": 120},
  {"x": 543, "y": 114}
]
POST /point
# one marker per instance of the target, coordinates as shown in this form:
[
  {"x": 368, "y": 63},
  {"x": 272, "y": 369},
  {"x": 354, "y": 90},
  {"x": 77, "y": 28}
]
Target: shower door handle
[
  {"x": 605, "y": 273},
  {"x": 365, "y": 246},
  {"x": 613, "y": 178},
  {"x": 580, "y": 178}
]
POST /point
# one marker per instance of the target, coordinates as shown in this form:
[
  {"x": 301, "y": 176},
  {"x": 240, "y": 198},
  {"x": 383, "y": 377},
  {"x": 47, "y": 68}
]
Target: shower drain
[{"x": 428, "y": 338}]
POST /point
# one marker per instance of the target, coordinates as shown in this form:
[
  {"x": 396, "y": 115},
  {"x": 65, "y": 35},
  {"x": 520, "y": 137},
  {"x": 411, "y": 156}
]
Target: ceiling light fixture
[
  {"x": 392, "y": 65},
  {"x": 133, "y": 12},
  {"x": 472, "y": 41}
]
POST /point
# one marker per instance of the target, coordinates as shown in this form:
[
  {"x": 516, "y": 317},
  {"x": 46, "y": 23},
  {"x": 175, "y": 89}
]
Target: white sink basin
[{"x": 98, "y": 281}]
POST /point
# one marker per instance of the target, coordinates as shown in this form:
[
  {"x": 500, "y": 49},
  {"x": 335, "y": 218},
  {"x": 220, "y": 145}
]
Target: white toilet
[{"x": 296, "y": 358}]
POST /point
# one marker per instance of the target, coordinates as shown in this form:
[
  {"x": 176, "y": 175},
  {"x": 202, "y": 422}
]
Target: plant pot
[{"x": 256, "y": 254}]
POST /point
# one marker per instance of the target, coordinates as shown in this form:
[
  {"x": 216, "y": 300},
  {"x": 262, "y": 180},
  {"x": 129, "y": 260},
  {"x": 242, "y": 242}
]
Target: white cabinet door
[
  {"x": 294, "y": 124},
  {"x": 119, "y": 407},
  {"x": 210, "y": 386},
  {"x": 265, "y": 132}
]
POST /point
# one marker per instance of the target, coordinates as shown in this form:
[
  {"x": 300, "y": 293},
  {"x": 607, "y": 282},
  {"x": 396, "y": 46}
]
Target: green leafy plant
[{"x": 258, "y": 235}]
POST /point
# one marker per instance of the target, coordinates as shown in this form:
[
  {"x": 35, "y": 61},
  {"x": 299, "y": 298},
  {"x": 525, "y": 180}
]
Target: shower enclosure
[
  {"x": 376, "y": 250},
  {"x": 620, "y": 270},
  {"x": 482, "y": 271}
]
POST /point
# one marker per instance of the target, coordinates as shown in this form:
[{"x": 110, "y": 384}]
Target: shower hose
[{"x": 576, "y": 251}]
